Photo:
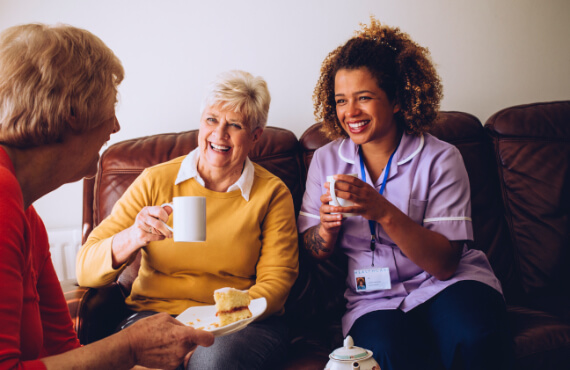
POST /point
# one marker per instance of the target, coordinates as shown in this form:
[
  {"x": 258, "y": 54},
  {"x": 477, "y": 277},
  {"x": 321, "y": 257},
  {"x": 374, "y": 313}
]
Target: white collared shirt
[{"x": 189, "y": 170}]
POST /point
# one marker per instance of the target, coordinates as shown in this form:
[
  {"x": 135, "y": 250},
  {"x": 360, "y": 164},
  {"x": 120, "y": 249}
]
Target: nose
[
  {"x": 221, "y": 130},
  {"x": 117, "y": 126},
  {"x": 352, "y": 109}
]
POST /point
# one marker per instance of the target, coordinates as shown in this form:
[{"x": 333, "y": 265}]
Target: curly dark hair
[{"x": 402, "y": 68}]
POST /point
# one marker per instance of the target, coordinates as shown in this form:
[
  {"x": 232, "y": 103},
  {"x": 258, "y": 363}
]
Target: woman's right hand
[
  {"x": 160, "y": 341},
  {"x": 320, "y": 240},
  {"x": 149, "y": 226},
  {"x": 331, "y": 223}
]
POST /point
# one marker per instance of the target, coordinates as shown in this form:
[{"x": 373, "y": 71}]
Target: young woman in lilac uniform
[{"x": 430, "y": 302}]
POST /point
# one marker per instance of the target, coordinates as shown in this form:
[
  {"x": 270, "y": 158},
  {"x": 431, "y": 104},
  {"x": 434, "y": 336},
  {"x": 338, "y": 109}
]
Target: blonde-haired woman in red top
[{"x": 58, "y": 88}]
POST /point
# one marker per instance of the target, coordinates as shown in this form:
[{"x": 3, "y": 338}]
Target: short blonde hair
[
  {"x": 53, "y": 80},
  {"x": 240, "y": 92}
]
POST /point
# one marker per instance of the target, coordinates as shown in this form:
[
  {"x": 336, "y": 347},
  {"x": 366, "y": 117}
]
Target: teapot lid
[{"x": 349, "y": 351}]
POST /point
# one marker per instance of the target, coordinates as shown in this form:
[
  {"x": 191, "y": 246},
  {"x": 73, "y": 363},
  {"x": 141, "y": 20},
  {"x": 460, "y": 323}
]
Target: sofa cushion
[
  {"x": 532, "y": 147},
  {"x": 322, "y": 283},
  {"x": 466, "y": 132},
  {"x": 541, "y": 340}
]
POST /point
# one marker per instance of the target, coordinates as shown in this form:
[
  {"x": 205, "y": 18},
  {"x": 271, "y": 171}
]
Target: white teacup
[
  {"x": 189, "y": 219},
  {"x": 340, "y": 202}
]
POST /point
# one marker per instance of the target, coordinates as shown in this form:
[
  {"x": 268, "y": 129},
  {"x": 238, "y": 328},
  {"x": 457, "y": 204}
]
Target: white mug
[
  {"x": 189, "y": 219},
  {"x": 340, "y": 202}
]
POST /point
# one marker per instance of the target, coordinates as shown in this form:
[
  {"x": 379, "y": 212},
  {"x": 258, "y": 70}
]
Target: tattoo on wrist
[{"x": 314, "y": 242}]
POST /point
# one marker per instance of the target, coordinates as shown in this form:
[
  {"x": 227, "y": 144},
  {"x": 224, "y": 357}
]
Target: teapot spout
[{"x": 355, "y": 366}]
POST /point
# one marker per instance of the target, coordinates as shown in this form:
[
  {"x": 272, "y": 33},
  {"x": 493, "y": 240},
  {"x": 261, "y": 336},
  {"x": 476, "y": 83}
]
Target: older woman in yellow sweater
[{"x": 251, "y": 235}]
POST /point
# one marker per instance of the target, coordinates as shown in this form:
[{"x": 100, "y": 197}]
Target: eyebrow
[
  {"x": 230, "y": 120},
  {"x": 358, "y": 92}
]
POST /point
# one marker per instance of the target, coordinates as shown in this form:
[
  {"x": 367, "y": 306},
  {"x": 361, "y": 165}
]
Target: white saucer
[{"x": 204, "y": 317}]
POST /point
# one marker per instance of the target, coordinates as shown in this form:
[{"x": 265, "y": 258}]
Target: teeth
[
  {"x": 357, "y": 124},
  {"x": 220, "y": 147}
]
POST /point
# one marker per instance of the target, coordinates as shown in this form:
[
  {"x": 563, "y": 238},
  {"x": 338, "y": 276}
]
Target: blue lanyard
[{"x": 372, "y": 224}]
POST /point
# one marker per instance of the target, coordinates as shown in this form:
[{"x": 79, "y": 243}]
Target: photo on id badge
[
  {"x": 369, "y": 279},
  {"x": 360, "y": 283}
]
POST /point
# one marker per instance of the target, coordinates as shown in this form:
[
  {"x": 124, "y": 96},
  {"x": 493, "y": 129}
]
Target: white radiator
[{"x": 63, "y": 245}]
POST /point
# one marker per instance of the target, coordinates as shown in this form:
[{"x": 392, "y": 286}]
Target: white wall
[{"x": 490, "y": 53}]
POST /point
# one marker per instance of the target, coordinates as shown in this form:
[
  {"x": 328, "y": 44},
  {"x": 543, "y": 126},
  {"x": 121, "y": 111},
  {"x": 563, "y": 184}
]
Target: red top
[{"x": 34, "y": 318}]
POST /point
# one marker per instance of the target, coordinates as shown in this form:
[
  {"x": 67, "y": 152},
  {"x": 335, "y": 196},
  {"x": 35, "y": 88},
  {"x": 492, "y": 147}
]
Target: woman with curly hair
[{"x": 430, "y": 301}]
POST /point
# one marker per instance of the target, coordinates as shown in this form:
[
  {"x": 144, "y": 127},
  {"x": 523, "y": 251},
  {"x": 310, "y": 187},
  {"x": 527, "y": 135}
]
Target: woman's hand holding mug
[{"x": 337, "y": 201}]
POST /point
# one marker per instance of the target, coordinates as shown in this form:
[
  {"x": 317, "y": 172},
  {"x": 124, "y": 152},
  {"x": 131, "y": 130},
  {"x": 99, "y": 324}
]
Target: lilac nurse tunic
[{"x": 427, "y": 181}]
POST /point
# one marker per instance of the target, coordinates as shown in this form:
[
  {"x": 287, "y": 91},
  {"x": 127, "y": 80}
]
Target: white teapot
[{"x": 350, "y": 357}]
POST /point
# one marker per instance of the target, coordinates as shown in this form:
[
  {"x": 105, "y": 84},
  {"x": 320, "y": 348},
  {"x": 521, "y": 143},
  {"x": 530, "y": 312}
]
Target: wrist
[
  {"x": 385, "y": 214},
  {"x": 315, "y": 243},
  {"x": 129, "y": 342},
  {"x": 327, "y": 235},
  {"x": 122, "y": 247}
]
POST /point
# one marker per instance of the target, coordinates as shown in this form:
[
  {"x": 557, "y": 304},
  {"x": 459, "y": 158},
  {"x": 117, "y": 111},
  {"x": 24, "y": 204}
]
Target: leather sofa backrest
[
  {"x": 278, "y": 151},
  {"x": 322, "y": 284},
  {"x": 532, "y": 149},
  {"x": 466, "y": 132}
]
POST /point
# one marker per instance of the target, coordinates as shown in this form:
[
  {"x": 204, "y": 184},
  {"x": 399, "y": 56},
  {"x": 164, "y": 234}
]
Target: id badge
[{"x": 372, "y": 278}]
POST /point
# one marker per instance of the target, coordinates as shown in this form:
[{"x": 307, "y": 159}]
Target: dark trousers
[{"x": 463, "y": 327}]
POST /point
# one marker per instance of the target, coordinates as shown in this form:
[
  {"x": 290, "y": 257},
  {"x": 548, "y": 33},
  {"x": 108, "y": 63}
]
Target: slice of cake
[{"x": 231, "y": 305}]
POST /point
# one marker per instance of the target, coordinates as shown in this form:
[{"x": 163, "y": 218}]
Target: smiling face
[
  {"x": 225, "y": 140},
  {"x": 363, "y": 109}
]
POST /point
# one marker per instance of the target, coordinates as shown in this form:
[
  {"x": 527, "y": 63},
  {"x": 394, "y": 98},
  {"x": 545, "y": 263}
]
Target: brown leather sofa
[{"x": 519, "y": 169}]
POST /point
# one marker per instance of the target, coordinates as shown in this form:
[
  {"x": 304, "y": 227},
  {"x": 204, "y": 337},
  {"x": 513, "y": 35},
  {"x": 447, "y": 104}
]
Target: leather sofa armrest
[
  {"x": 96, "y": 313},
  {"x": 536, "y": 333},
  {"x": 74, "y": 296}
]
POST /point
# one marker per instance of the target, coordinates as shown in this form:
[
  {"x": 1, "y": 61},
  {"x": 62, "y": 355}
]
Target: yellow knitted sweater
[{"x": 249, "y": 244}]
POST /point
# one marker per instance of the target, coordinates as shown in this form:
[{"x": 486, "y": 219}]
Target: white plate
[{"x": 204, "y": 317}]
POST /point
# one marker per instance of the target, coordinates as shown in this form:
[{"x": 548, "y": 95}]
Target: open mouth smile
[
  {"x": 357, "y": 126},
  {"x": 219, "y": 148}
]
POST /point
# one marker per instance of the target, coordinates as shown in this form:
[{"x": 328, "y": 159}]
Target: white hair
[{"x": 240, "y": 92}]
